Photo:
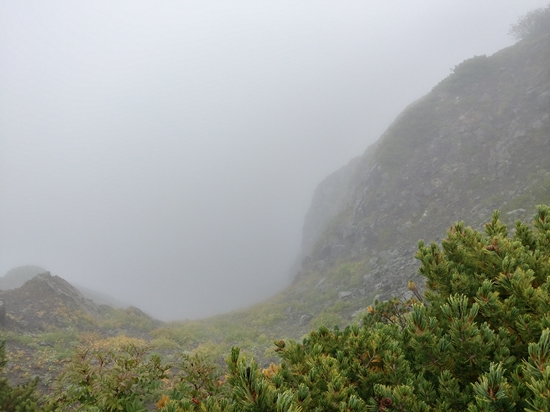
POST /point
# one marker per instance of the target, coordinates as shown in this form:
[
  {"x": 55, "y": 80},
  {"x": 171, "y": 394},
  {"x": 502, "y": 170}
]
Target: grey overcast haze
[{"x": 165, "y": 153}]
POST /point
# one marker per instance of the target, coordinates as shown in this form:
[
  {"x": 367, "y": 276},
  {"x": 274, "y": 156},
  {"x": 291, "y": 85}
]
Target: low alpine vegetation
[{"x": 477, "y": 340}]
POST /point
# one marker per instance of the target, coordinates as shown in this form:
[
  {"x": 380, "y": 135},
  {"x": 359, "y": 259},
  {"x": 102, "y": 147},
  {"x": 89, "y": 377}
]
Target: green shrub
[{"x": 108, "y": 380}]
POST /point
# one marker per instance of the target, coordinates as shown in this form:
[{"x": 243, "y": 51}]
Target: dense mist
[{"x": 166, "y": 153}]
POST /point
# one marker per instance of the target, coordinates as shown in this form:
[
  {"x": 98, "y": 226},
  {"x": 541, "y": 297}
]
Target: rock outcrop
[{"x": 329, "y": 200}]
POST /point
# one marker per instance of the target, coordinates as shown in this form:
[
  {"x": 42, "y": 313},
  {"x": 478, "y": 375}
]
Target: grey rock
[
  {"x": 328, "y": 201},
  {"x": 461, "y": 167},
  {"x": 537, "y": 124},
  {"x": 344, "y": 294}
]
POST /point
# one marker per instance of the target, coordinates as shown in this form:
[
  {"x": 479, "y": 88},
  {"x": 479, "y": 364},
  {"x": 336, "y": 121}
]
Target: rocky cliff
[
  {"x": 479, "y": 141},
  {"x": 329, "y": 200}
]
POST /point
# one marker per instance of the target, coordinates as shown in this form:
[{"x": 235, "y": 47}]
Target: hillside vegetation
[{"x": 478, "y": 339}]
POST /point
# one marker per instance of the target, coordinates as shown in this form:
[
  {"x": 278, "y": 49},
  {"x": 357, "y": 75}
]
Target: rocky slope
[
  {"x": 46, "y": 319},
  {"x": 16, "y": 277},
  {"x": 45, "y": 302},
  {"x": 479, "y": 141}
]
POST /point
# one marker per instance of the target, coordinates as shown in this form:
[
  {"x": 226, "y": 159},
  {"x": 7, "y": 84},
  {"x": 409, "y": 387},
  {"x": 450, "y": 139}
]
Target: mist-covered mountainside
[
  {"x": 45, "y": 302},
  {"x": 480, "y": 140},
  {"x": 17, "y": 276}
]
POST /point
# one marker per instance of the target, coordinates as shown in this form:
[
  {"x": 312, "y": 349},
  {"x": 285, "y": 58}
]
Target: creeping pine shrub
[{"x": 199, "y": 384}]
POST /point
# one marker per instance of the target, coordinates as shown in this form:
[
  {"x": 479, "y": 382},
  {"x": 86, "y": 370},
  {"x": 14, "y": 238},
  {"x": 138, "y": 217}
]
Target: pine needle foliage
[{"x": 108, "y": 380}]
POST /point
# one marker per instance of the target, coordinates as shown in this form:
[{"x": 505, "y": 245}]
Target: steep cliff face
[
  {"x": 479, "y": 141},
  {"x": 329, "y": 200}
]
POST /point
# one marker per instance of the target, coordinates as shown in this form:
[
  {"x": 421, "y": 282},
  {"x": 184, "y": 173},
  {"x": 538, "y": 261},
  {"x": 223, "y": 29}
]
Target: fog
[{"x": 165, "y": 153}]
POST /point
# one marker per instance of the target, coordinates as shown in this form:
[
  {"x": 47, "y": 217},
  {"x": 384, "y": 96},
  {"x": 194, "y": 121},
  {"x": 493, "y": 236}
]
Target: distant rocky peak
[
  {"x": 46, "y": 301},
  {"x": 479, "y": 141},
  {"x": 62, "y": 288}
]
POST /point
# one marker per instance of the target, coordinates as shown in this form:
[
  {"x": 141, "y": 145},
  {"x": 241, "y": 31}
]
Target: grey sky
[{"x": 166, "y": 153}]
